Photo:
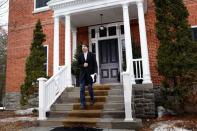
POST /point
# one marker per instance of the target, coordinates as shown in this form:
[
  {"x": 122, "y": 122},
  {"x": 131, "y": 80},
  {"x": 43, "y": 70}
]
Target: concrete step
[
  {"x": 96, "y": 93},
  {"x": 77, "y": 89},
  {"x": 94, "y": 87},
  {"x": 113, "y": 106},
  {"x": 95, "y": 122},
  {"x": 74, "y": 99},
  {"x": 88, "y": 113},
  {"x": 97, "y": 105}
]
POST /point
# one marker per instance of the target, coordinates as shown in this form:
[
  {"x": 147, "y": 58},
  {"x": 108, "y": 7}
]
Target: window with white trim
[
  {"x": 41, "y": 3},
  {"x": 194, "y": 33},
  {"x": 46, "y": 59}
]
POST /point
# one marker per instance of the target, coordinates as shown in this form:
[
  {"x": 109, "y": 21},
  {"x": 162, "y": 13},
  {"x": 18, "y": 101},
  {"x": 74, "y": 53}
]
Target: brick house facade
[{"x": 22, "y": 19}]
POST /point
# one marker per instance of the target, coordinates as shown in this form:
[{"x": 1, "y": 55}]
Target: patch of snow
[
  {"x": 15, "y": 119},
  {"x": 167, "y": 126},
  {"x": 162, "y": 111},
  {"x": 2, "y": 108},
  {"x": 25, "y": 112}
]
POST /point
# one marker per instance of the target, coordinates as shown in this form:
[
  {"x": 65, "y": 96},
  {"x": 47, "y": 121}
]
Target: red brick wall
[
  {"x": 21, "y": 25},
  {"x": 153, "y": 43},
  {"x": 82, "y": 35},
  {"x": 62, "y": 42},
  {"x": 192, "y": 8}
]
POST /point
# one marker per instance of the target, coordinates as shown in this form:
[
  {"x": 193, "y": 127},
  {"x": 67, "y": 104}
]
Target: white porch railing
[
  {"x": 50, "y": 90},
  {"x": 134, "y": 72},
  {"x": 138, "y": 69}
]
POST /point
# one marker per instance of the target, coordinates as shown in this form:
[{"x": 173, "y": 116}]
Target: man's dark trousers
[{"x": 82, "y": 92}]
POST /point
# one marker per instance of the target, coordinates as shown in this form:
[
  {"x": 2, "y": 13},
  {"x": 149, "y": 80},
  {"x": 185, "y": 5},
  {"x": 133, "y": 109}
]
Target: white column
[
  {"x": 68, "y": 48},
  {"x": 143, "y": 42},
  {"x": 128, "y": 42},
  {"x": 56, "y": 45},
  {"x": 74, "y": 41},
  {"x": 128, "y": 77}
]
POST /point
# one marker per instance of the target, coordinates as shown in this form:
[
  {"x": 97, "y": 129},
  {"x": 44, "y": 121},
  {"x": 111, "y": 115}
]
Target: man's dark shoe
[
  {"x": 82, "y": 107},
  {"x": 92, "y": 102}
]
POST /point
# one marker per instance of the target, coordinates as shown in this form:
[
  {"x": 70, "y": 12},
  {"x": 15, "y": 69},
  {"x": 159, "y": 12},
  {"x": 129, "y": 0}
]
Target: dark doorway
[{"x": 109, "y": 61}]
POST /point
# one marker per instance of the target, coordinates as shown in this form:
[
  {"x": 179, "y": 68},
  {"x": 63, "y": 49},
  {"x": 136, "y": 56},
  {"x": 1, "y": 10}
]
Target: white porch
[{"x": 78, "y": 13}]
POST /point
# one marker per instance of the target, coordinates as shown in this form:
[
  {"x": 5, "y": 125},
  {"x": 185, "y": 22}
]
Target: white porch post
[
  {"x": 143, "y": 42},
  {"x": 127, "y": 30},
  {"x": 128, "y": 77},
  {"x": 74, "y": 41},
  {"x": 42, "y": 107},
  {"x": 56, "y": 45},
  {"x": 68, "y": 48}
]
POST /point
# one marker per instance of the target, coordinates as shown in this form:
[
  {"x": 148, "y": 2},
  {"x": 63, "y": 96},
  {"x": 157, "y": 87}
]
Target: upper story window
[
  {"x": 194, "y": 33},
  {"x": 41, "y": 3}
]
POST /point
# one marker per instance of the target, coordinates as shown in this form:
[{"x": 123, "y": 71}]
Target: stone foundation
[
  {"x": 12, "y": 100},
  {"x": 143, "y": 101}
]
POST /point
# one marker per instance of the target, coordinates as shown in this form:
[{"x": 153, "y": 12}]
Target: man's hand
[{"x": 85, "y": 65}]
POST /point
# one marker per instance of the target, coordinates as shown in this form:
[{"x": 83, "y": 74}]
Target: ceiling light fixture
[{"x": 101, "y": 27}]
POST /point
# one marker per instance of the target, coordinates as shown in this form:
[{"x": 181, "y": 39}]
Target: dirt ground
[
  {"x": 14, "y": 126},
  {"x": 187, "y": 122}
]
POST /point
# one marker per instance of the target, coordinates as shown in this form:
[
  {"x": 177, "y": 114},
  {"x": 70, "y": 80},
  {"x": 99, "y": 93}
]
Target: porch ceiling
[{"x": 109, "y": 15}]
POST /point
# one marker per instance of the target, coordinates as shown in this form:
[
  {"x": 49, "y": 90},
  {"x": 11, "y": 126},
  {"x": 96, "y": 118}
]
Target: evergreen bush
[
  {"x": 75, "y": 68},
  {"x": 34, "y": 67},
  {"x": 177, "y": 53}
]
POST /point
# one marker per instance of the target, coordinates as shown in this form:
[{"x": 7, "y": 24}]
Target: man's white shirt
[{"x": 85, "y": 55}]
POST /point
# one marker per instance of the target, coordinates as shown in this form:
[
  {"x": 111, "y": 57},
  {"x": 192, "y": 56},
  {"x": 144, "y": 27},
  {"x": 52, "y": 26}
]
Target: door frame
[{"x": 95, "y": 40}]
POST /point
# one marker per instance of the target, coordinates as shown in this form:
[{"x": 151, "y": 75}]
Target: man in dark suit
[{"x": 88, "y": 66}]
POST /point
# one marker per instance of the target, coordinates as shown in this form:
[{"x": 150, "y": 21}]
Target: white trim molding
[
  {"x": 97, "y": 38},
  {"x": 62, "y": 7},
  {"x": 194, "y": 26}
]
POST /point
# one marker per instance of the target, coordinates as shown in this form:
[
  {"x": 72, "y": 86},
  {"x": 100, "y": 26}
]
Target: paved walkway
[{"x": 69, "y": 129}]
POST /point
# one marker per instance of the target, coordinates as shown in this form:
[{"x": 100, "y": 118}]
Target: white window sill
[{"x": 42, "y": 9}]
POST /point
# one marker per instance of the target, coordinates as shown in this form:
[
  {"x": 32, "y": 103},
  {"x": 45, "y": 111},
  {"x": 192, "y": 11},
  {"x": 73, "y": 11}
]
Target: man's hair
[{"x": 85, "y": 45}]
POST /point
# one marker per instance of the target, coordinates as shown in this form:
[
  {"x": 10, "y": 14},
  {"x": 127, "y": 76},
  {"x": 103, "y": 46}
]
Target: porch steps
[{"x": 107, "y": 111}]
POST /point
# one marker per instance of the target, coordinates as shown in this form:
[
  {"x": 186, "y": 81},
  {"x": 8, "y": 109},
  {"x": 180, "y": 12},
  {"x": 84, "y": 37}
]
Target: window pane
[
  {"x": 92, "y": 33},
  {"x": 123, "y": 55},
  {"x": 103, "y": 33},
  {"x": 93, "y": 48},
  {"x": 112, "y": 30},
  {"x": 194, "y": 33},
  {"x": 41, "y": 3},
  {"x": 45, "y": 63},
  {"x": 122, "y": 29}
]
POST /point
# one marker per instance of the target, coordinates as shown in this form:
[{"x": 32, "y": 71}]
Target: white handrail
[{"x": 50, "y": 90}]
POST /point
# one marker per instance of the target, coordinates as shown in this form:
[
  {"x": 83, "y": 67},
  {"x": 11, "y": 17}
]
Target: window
[
  {"x": 194, "y": 33},
  {"x": 41, "y": 3},
  {"x": 46, "y": 58},
  {"x": 123, "y": 55},
  {"x": 93, "y": 48},
  {"x": 122, "y": 29},
  {"x": 112, "y": 30},
  {"x": 103, "y": 32},
  {"x": 93, "y": 33}
]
